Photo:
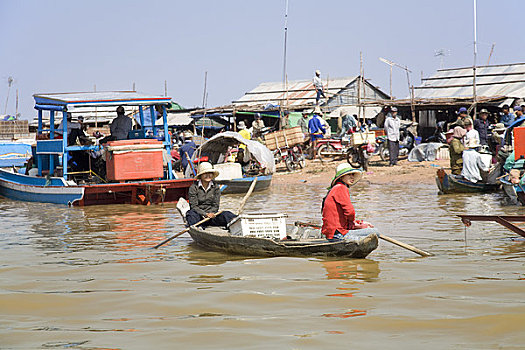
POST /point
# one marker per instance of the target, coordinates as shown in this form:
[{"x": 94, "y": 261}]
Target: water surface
[{"x": 86, "y": 278}]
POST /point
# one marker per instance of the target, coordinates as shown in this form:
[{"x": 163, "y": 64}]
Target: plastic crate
[{"x": 259, "y": 225}]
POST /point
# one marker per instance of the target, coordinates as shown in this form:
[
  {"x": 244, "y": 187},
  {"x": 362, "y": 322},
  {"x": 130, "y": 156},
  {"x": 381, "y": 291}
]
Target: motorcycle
[
  {"x": 358, "y": 156},
  {"x": 328, "y": 149},
  {"x": 406, "y": 142},
  {"x": 292, "y": 157},
  {"x": 439, "y": 134}
]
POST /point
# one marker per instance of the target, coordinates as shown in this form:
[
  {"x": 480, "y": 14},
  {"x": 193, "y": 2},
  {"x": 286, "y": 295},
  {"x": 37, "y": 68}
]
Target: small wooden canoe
[
  {"x": 217, "y": 239},
  {"x": 449, "y": 183}
]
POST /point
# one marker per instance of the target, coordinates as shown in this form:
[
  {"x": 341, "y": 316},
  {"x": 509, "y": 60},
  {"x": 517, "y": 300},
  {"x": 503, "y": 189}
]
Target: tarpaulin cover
[
  {"x": 219, "y": 143},
  {"x": 424, "y": 151}
]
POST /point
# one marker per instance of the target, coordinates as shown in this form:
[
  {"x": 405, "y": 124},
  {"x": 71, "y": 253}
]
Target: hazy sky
[{"x": 63, "y": 46}]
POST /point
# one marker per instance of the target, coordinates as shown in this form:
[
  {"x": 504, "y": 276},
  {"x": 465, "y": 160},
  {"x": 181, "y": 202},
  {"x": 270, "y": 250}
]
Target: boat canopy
[
  {"x": 219, "y": 144},
  {"x": 103, "y": 98},
  {"x": 57, "y": 147}
]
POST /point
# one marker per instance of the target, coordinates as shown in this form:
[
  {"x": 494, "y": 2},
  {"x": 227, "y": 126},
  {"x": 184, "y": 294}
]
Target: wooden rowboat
[
  {"x": 217, "y": 239},
  {"x": 449, "y": 183}
]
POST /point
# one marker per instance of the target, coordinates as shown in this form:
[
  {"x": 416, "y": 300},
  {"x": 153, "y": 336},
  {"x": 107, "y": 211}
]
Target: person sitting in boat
[
  {"x": 337, "y": 209},
  {"x": 204, "y": 198},
  {"x": 473, "y": 162},
  {"x": 119, "y": 127},
  {"x": 456, "y": 150}
]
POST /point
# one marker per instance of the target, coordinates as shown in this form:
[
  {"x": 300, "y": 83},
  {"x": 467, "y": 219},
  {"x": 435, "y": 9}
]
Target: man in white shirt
[
  {"x": 473, "y": 162},
  {"x": 471, "y": 132},
  {"x": 392, "y": 125},
  {"x": 318, "y": 85}
]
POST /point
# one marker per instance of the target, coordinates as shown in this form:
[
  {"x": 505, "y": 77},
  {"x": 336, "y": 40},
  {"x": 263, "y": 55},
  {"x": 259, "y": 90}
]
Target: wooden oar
[
  {"x": 241, "y": 207},
  {"x": 386, "y": 238}
]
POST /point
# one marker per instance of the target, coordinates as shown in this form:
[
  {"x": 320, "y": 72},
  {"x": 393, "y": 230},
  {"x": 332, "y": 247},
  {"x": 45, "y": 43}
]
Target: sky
[{"x": 71, "y": 46}]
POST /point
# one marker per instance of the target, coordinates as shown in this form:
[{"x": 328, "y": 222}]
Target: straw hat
[
  {"x": 317, "y": 110},
  {"x": 187, "y": 134},
  {"x": 206, "y": 167},
  {"x": 499, "y": 127},
  {"x": 241, "y": 125},
  {"x": 472, "y": 143},
  {"x": 344, "y": 169}
]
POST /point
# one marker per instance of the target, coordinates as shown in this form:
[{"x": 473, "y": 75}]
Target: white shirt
[
  {"x": 392, "y": 126},
  {"x": 318, "y": 83},
  {"x": 472, "y": 164},
  {"x": 471, "y": 134}
]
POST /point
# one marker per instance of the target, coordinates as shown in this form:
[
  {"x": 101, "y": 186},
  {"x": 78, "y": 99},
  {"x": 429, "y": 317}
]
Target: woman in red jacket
[{"x": 338, "y": 211}]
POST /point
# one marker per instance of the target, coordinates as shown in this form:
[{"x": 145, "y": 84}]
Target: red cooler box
[
  {"x": 134, "y": 160},
  {"x": 519, "y": 143}
]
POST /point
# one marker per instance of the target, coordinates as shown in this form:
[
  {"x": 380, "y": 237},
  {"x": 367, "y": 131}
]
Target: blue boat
[
  {"x": 54, "y": 182},
  {"x": 449, "y": 183}
]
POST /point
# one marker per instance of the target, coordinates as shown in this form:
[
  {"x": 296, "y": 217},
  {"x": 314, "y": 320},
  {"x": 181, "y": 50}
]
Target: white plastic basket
[{"x": 264, "y": 225}]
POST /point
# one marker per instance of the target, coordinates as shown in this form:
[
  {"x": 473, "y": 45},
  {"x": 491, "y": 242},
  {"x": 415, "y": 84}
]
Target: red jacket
[{"x": 338, "y": 212}]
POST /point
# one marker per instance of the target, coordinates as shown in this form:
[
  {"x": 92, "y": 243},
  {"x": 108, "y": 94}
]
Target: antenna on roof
[
  {"x": 10, "y": 81},
  {"x": 441, "y": 53}
]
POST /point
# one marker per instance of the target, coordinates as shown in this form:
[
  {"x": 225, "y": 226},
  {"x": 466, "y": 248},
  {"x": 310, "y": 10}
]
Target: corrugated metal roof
[
  {"x": 106, "y": 98},
  {"x": 176, "y": 119},
  {"x": 300, "y": 92},
  {"x": 491, "y": 81}
]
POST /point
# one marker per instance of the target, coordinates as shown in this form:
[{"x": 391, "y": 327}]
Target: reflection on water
[{"x": 86, "y": 278}]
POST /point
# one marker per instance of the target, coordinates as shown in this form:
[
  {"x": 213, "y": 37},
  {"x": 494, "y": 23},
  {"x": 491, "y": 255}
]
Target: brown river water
[{"x": 87, "y": 278}]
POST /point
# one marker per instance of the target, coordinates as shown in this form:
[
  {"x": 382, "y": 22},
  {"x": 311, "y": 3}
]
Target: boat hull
[
  {"x": 216, "y": 239},
  {"x": 242, "y": 185},
  {"x": 56, "y": 190},
  {"x": 448, "y": 183}
]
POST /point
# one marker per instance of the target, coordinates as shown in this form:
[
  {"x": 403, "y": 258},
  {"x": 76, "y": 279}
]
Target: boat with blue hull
[
  {"x": 241, "y": 185},
  {"x": 133, "y": 170},
  {"x": 232, "y": 177},
  {"x": 449, "y": 183}
]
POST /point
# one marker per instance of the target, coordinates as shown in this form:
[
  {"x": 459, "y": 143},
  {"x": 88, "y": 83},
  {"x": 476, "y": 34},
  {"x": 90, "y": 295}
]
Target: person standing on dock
[
  {"x": 303, "y": 123},
  {"x": 205, "y": 197},
  {"x": 482, "y": 126},
  {"x": 460, "y": 121},
  {"x": 392, "y": 125},
  {"x": 318, "y": 85},
  {"x": 337, "y": 209},
  {"x": 317, "y": 130},
  {"x": 257, "y": 126}
]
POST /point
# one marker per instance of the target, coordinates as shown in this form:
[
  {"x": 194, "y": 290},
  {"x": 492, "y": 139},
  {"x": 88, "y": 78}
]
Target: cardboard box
[
  {"x": 284, "y": 138},
  {"x": 359, "y": 138}
]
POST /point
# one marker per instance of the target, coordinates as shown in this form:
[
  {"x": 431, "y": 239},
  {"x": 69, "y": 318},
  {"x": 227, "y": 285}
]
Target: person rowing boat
[{"x": 338, "y": 210}]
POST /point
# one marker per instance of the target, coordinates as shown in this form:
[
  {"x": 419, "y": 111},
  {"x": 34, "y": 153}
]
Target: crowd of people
[{"x": 480, "y": 150}]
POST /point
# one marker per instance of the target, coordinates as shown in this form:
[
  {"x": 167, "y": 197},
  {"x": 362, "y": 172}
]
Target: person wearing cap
[
  {"x": 471, "y": 132},
  {"x": 506, "y": 117},
  {"x": 456, "y": 148},
  {"x": 316, "y": 129},
  {"x": 337, "y": 208},
  {"x": 473, "y": 162},
  {"x": 318, "y": 85},
  {"x": 482, "y": 126},
  {"x": 519, "y": 112},
  {"x": 460, "y": 121},
  {"x": 257, "y": 126},
  {"x": 392, "y": 125},
  {"x": 186, "y": 150},
  {"x": 205, "y": 197}
]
